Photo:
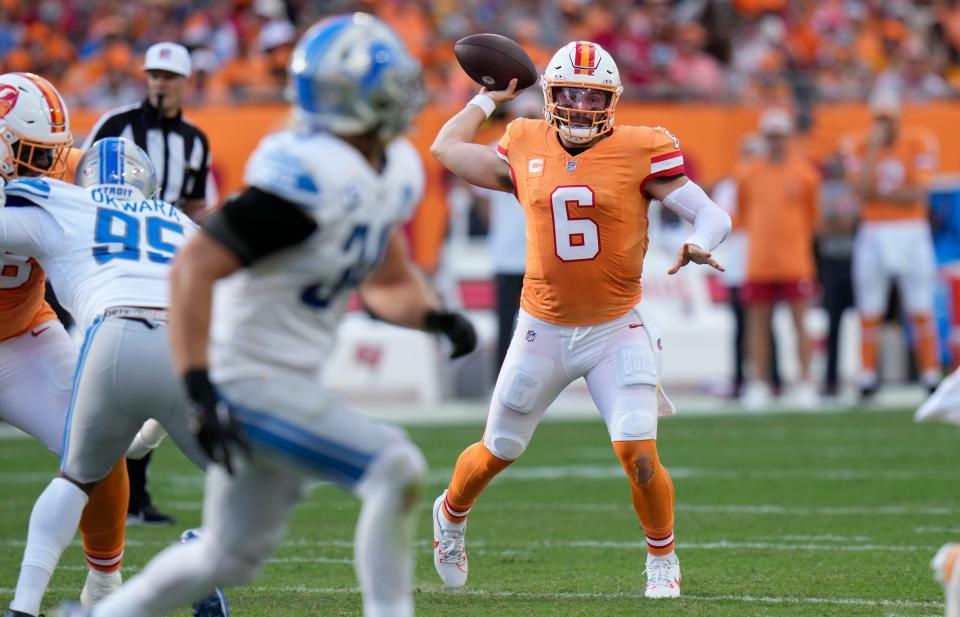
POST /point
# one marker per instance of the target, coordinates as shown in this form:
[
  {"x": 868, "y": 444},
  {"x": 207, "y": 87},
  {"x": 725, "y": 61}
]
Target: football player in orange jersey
[
  {"x": 891, "y": 168},
  {"x": 37, "y": 356},
  {"x": 585, "y": 185}
]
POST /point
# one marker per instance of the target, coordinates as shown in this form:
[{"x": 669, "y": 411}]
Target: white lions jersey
[
  {"x": 283, "y": 310},
  {"x": 101, "y": 246}
]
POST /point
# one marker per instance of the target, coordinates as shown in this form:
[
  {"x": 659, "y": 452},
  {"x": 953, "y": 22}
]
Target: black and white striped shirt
[{"x": 179, "y": 150}]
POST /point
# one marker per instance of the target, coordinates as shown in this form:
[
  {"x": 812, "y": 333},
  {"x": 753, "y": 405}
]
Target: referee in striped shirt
[
  {"x": 180, "y": 152},
  {"x": 178, "y": 149}
]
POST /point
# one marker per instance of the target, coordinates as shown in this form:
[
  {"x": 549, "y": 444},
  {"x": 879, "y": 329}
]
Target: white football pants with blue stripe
[
  {"x": 297, "y": 429},
  {"x": 124, "y": 377}
]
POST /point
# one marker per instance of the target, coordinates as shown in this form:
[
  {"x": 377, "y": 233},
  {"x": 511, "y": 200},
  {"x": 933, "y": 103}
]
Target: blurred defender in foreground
[{"x": 319, "y": 218}]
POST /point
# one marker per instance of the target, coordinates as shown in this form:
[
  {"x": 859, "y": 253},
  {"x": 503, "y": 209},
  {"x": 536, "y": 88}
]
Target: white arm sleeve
[
  {"x": 710, "y": 223},
  {"x": 29, "y": 231}
]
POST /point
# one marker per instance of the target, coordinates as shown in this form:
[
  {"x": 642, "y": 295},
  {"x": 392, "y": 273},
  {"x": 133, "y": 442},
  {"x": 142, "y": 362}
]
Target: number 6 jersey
[
  {"x": 586, "y": 217},
  {"x": 101, "y": 246}
]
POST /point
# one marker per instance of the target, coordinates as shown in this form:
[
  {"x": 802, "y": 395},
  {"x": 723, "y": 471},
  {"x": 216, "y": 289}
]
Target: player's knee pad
[
  {"x": 634, "y": 415},
  {"x": 505, "y": 445},
  {"x": 399, "y": 465}
]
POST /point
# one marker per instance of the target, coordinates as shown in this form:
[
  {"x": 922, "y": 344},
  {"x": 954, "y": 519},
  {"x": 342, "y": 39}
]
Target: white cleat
[
  {"x": 449, "y": 554},
  {"x": 946, "y": 569},
  {"x": 805, "y": 396},
  {"x": 663, "y": 576},
  {"x": 756, "y": 396},
  {"x": 99, "y": 585}
]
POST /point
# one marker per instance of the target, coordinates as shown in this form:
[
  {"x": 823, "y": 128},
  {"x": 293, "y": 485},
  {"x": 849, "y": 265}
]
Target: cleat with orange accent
[
  {"x": 449, "y": 553},
  {"x": 663, "y": 576},
  {"x": 946, "y": 569}
]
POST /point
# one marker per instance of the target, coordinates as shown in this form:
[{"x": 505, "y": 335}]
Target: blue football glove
[{"x": 209, "y": 420}]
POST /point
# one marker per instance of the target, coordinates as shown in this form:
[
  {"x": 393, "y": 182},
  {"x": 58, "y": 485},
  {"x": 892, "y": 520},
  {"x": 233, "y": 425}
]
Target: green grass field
[{"x": 833, "y": 514}]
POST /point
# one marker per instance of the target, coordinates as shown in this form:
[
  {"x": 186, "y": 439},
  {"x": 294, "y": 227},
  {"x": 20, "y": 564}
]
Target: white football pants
[
  {"x": 894, "y": 250},
  {"x": 297, "y": 429},
  {"x": 124, "y": 377},
  {"x": 619, "y": 359},
  {"x": 36, "y": 376}
]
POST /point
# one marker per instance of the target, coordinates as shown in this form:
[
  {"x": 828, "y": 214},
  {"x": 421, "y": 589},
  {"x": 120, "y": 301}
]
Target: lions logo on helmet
[
  {"x": 581, "y": 87},
  {"x": 115, "y": 162},
  {"x": 34, "y": 127},
  {"x": 352, "y": 75}
]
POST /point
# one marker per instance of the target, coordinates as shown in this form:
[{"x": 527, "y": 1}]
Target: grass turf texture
[{"x": 776, "y": 515}]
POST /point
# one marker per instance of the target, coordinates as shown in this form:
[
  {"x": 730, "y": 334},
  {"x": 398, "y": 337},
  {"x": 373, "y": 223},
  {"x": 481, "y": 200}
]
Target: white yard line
[
  {"x": 616, "y": 595},
  {"x": 761, "y": 509},
  {"x": 574, "y": 595},
  {"x": 615, "y": 472},
  {"x": 523, "y": 473},
  {"x": 721, "y": 544}
]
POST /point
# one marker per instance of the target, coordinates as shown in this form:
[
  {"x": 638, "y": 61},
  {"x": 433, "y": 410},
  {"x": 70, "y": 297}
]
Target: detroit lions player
[
  {"x": 106, "y": 248},
  {"x": 319, "y": 218}
]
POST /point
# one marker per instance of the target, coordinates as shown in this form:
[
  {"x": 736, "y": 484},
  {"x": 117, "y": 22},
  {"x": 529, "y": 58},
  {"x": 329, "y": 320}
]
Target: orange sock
[
  {"x": 928, "y": 348},
  {"x": 869, "y": 339},
  {"x": 104, "y": 520},
  {"x": 472, "y": 473},
  {"x": 652, "y": 491}
]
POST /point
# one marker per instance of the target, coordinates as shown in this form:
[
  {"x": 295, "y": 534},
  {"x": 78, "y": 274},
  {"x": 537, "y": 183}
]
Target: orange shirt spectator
[{"x": 777, "y": 206}]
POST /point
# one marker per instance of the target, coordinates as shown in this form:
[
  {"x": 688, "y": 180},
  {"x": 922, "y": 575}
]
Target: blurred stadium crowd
[
  {"x": 780, "y": 55},
  {"x": 759, "y": 52}
]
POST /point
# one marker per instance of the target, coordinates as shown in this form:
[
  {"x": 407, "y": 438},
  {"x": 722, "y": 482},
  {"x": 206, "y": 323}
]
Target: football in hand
[{"x": 493, "y": 60}]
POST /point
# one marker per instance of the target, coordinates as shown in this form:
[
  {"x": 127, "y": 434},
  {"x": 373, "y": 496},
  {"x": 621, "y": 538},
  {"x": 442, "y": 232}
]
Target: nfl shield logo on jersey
[
  {"x": 530, "y": 336},
  {"x": 571, "y": 166}
]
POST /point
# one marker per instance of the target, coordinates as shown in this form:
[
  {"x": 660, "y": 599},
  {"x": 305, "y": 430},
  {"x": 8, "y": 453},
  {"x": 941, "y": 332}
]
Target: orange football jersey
[
  {"x": 586, "y": 217},
  {"x": 22, "y": 282},
  {"x": 910, "y": 161}
]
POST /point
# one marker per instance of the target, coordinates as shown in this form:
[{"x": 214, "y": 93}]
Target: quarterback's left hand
[
  {"x": 455, "y": 327},
  {"x": 692, "y": 252}
]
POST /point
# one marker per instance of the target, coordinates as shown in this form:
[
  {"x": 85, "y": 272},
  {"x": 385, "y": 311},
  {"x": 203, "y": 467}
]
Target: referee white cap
[{"x": 168, "y": 57}]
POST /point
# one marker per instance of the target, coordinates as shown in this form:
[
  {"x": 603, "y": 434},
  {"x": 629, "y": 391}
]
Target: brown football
[{"x": 493, "y": 60}]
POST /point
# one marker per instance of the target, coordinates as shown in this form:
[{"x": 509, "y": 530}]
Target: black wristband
[{"x": 198, "y": 384}]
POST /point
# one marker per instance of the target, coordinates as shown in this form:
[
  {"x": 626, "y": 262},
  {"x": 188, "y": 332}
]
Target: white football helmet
[
  {"x": 34, "y": 127},
  {"x": 581, "y": 65}
]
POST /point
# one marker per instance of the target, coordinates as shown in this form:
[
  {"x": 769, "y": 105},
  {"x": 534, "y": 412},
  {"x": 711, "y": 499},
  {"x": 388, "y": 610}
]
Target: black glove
[
  {"x": 210, "y": 421},
  {"x": 455, "y": 327}
]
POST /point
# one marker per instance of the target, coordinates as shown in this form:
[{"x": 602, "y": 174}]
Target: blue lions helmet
[
  {"x": 352, "y": 75},
  {"x": 119, "y": 161}
]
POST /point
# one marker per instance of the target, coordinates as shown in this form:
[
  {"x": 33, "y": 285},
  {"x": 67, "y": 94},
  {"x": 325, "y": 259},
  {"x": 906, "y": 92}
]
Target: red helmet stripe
[
  {"x": 584, "y": 58},
  {"x": 58, "y": 119}
]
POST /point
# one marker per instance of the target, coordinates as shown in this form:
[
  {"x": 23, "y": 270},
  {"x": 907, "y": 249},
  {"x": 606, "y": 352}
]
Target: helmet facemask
[
  {"x": 28, "y": 158},
  {"x": 580, "y": 111}
]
